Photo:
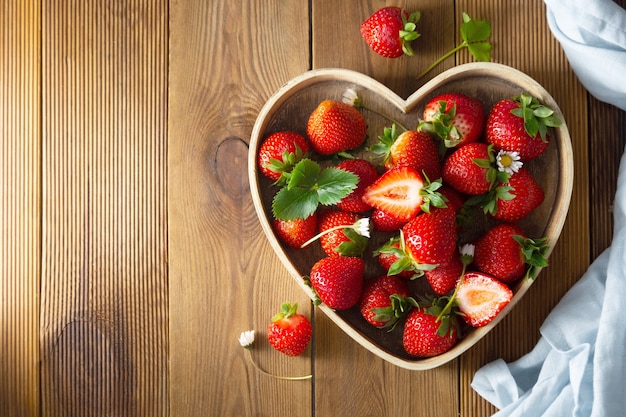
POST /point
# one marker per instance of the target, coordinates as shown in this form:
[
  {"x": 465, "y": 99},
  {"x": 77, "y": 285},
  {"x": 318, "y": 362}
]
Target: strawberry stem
[
  {"x": 391, "y": 119},
  {"x": 441, "y": 59},
  {"x": 289, "y": 378}
]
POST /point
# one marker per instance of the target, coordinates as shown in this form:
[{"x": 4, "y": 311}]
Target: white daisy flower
[
  {"x": 362, "y": 227},
  {"x": 508, "y": 162},
  {"x": 351, "y": 97},
  {"x": 246, "y": 339}
]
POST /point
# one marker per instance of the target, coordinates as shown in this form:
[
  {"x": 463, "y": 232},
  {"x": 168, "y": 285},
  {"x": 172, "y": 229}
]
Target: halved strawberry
[
  {"x": 296, "y": 232},
  {"x": 455, "y": 118},
  {"x": 335, "y": 126},
  {"x": 367, "y": 174},
  {"x": 481, "y": 297},
  {"x": 401, "y": 192}
]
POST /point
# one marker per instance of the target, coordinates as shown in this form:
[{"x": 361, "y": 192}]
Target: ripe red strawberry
[
  {"x": 385, "y": 300},
  {"x": 343, "y": 241},
  {"x": 455, "y": 118},
  {"x": 389, "y": 31},
  {"x": 394, "y": 259},
  {"x": 410, "y": 148},
  {"x": 468, "y": 168},
  {"x": 528, "y": 195},
  {"x": 279, "y": 152},
  {"x": 401, "y": 192},
  {"x": 424, "y": 336},
  {"x": 506, "y": 253},
  {"x": 430, "y": 238},
  {"x": 289, "y": 332},
  {"x": 338, "y": 281},
  {"x": 296, "y": 232},
  {"x": 335, "y": 126},
  {"x": 481, "y": 297},
  {"x": 384, "y": 222},
  {"x": 444, "y": 278},
  {"x": 521, "y": 125},
  {"x": 367, "y": 174}
]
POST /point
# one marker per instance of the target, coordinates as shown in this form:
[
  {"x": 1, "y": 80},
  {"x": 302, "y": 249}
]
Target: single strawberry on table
[
  {"x": 367, "y": 174},
  {"x": 506, "y": 253},
  {"x": 289, "y": 332},
  {"x": 402, "y": 193},
  {"x": 410, "y": 148},
  {"x": 521, "y": 125},
  {"x": 426, "y": 334},
  {"x": 385, "y": 300},
  {"x": 338, "y": 281},
  {"x": 389, "y": 31},
  {"x": 296, "y": 232},
  {"x": 279, "y": 152},
  {"x": 455, "y": 118},
  {"x": 334, "y": 127},
  {"x": 481, "y": 297}
]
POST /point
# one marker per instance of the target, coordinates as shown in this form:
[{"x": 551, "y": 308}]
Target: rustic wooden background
[{"x": 131, "y": 257}]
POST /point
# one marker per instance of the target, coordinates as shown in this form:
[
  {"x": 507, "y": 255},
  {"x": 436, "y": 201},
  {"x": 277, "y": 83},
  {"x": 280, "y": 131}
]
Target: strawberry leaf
[{"x": 308, "y": 186}]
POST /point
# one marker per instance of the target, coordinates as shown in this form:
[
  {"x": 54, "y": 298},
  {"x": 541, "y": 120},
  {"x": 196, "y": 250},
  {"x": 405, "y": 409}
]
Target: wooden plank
[
  {"x": 20, "y": 187},
  {"x": 227, "y": 58},
  {"x": 104, "y": 317},
  {"x": 383, "y": 389},
  {"x": 539, "y": 55}
]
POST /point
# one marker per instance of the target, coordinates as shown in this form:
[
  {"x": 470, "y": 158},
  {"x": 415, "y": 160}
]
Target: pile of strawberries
[{"x": 419, "y": 188}]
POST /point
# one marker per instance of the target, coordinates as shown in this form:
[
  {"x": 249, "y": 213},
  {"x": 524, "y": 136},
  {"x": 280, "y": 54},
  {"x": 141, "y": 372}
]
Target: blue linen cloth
[{"x": 578, "y": 367}]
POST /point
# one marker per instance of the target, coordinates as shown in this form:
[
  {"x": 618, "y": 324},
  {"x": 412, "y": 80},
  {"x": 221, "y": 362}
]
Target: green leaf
[
  {"x": 334, "y": 184},
  {"x": 475, "y": 30},
  {"x": 294, "y": 203},
  {"x": 304, "y": 174},
  {"x": 481, "y": 51}
]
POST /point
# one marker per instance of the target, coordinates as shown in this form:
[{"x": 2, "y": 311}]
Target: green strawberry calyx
[
  {"x": 307, "y": 186},
  {"x": 285, "y": 164},
  {"x": 441, "y": 125},
  {"x": 287, "y": 311},
  {"x": 408, "y": 32},
  {"x": 534, "y": 253},
  {"x": 498, "y": 180},
  {"x": 537, "y": 117},
  {"x": 397, "y": 309},
  {"x": 357, "y": 233},
  {"x": 385, "y": 142}
]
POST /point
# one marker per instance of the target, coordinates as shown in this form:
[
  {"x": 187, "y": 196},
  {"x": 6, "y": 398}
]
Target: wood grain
[
  {"x": 20, "y": 186},
  {"x": 104, "y": 295},
  {"x": 224, "y": 277}
]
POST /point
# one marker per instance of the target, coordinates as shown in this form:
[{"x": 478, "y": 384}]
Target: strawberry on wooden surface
[
  {"x": 385, "y": 301},
  {"x": 296, "y": 232},
  {"x": 455, "y": 118},
  {"x": 367, "y": 174},
  {"x": 338, "y": 281},
  {"x": 521, "y": 125},
  {"x": 481, "y": 297},
  {"x": 389, "y": 31},
  {"x": 335, "y": 126},
  {"x": 279, "y": 152},
  {"x": 289, "y": 332}
]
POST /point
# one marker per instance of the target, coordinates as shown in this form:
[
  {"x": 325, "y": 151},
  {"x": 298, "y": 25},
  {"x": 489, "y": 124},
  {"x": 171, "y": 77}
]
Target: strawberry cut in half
[
  {"x": 481, "y": 297},
  {"x": 402, "y": 193}
]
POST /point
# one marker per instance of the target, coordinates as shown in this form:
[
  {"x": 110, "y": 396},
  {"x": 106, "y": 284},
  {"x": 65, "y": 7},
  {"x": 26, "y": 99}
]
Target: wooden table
[{"x": 131, "y": 256}]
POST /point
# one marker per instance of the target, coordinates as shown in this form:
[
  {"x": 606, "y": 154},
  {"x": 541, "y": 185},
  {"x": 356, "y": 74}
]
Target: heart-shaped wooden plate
[{"x": 289, "y": 109}]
